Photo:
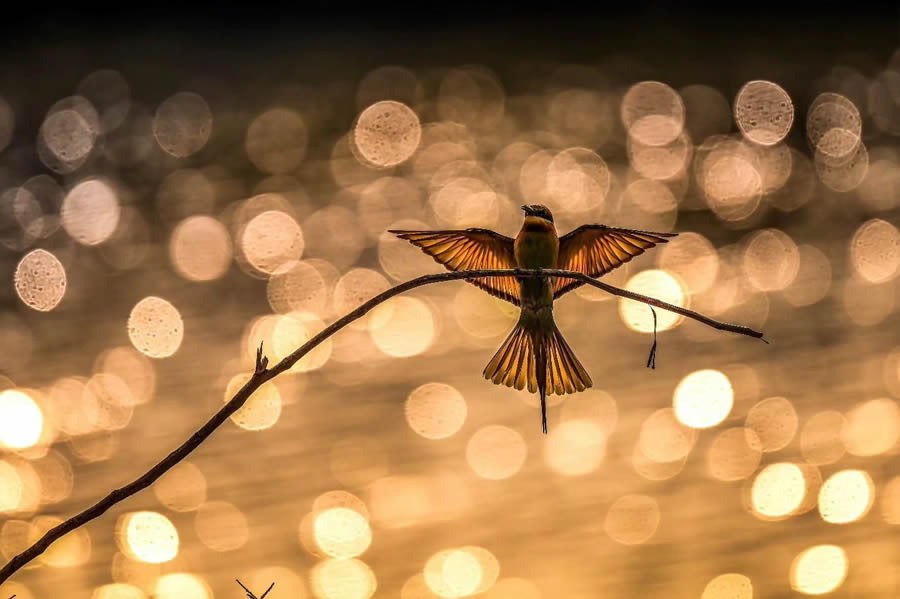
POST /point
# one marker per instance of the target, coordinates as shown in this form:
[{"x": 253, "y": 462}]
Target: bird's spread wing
[
  {"x": 597, "y": 249},
  {"x": 471, "y": 249}
]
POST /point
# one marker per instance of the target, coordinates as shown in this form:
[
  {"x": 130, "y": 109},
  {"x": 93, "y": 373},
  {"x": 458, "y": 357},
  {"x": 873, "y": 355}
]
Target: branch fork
[{"x": 250, "y": 594}]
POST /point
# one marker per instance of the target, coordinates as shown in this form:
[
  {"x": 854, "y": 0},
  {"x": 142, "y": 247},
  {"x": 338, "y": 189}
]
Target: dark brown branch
[{"x": 262, "y": 374}]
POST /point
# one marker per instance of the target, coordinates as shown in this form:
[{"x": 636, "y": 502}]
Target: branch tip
[
  {"x": 261, "y": 361},
  {"x": 250, "y": 594}
]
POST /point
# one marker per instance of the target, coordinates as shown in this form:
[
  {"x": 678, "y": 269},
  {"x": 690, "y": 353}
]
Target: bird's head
[{"x": 538, "y": 210}]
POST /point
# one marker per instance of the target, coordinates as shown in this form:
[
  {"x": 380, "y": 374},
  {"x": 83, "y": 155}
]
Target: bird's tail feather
[{"x": 540, "y": 360}]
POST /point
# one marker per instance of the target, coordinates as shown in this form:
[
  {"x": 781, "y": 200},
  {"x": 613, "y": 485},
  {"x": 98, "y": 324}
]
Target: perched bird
[{"x": 535, "y": 354}]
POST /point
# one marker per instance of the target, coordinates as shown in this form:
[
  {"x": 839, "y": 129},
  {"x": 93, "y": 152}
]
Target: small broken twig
[
  {"x": 262, "y": 374},
  {"x": 651, "y": 360}
]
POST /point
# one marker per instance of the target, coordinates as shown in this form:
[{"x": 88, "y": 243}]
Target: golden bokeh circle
[
  {"x": 496, "y": 452},
  {"x": 846, "y": 496},
  {"x": 342, "y": 532},
  {"x": 575, "y": 447},
  {"x": 155, "y": 327},
  {"x": 343, "y": 579},
  {"x": 632, "y": 519},
  {"x": 435, "y": 410},
  {"x": 147, "y": 536},
  {"x": 221, "y": 526},
  {"x": 703, "y": 398},
  {"x": 40, "y": 280},
  {"x": 386, "y": 134},
  {"x": 778, "y": 491},
  {"x": 819, "y": 569},
  {"x": 764, "y": 112},
  {"x": 200, "y": 248},
  {"x": 661, "y": 285},
  {"x": 728, "y": 586},
  {"x": 21, "y": 420}
]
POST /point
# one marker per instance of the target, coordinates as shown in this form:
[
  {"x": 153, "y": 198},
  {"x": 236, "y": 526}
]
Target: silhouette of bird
[{"x": 535, "y": 354}]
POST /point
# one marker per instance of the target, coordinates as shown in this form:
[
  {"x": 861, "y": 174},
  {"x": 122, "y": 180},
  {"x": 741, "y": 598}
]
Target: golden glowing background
[{"x": 155, "y": 228}]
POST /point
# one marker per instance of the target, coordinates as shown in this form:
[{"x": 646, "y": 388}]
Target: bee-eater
[{"x": 535, "y": 354}]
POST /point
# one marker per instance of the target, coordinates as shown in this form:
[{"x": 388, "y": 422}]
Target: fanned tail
[{"x": 540, "y": 360}]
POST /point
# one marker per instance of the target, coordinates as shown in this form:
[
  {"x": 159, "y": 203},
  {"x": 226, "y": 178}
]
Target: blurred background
[{"x": 177, "y": 187}]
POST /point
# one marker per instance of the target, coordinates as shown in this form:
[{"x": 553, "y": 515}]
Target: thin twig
[
  {"x": 262, "y": 374},
  {"x": 250, "y": 594}
]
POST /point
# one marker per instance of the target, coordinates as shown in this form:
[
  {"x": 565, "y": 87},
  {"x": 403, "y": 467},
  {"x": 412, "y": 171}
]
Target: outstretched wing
[
  {"x": 471, "y": 249},
  {"x": 597, "y": 249}
]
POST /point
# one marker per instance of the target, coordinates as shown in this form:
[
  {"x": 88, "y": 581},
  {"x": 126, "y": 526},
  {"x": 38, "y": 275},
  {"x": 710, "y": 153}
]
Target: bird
[{"x": 535, "y": 354}]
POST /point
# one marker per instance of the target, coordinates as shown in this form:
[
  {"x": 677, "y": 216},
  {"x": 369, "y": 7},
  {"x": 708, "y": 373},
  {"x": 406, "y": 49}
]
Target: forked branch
[{"x": 262, "y": 374}]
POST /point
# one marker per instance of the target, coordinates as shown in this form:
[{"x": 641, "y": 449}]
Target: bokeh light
[
  {"x": 386, "y": 134},
  {"x": 435, "y": 410},
  {"x": 575, "y": 447},
  {"x": 653, "y": 113},
  {"x": 40, "y": 280},
  {"x": 272, "y": 239},
  {"x": 890, "y": 501},
  {"x": 118, "y": 590},
  {"x": 147, "y": 537},
  {"x": 632, "y": 519},
  {"x": 846, "y": 496},
  {"x": 663, "y": 437},
  {"x": 155, "y": 327},
  {"x": 872, "y": 427},
  {"x": 496, "y": 452},
  {"x": 200, "y": 248},
  {"x": 655, "y": 283},
  {"x": 343, "y": 579},
  {"x": 221, "y": 526},
  {"x": 453, "y": 573},
  {"x": 692, "y": 258},
  {"x": 261, "y": 410},
  {"x": 182, "y": 124},
  {"x": 342, "y": 532},
  {"x": 734, "y": 454},
  {"x": 820, "y": 439},
  {"x": 514, "y": 588},
  {"x": 276, "y": 141},
  {"x": 771, "y": 260},
  {"x": 875, "y": 251},
  {"x": 90, "y": 212},
  {"x": 181, "y": 585},
  {"x": 819, "y": 569},
  {"x": 291, "y": 331},
  {"x": 183, "y": 488},
  {"x": 69, "y": 551},
  {"x": 813, "y": 278},
  {"x": 775, "y": 422},
  {"x": 703, "y": 398},
  {"x": 10, "y": 487},
  {"x": 21, "y": 420},
  {"x": 406, "y": 327},
  {"x": 764, "y": 112},
  {"x": 355, "y": 287},
  {"x": 778, "y": 490},
  {"x": 728, "y": 586}
]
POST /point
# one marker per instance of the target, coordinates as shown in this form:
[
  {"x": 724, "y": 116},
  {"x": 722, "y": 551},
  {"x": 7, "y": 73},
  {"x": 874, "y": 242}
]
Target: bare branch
[{"x": 262, "y": 374}]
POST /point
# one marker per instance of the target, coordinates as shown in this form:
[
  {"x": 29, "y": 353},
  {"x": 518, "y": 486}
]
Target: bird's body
[{"x": 535, "y": 354}]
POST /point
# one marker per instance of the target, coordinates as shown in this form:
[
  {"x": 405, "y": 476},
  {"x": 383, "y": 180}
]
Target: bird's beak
[{"x": 526, "y": 209}]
